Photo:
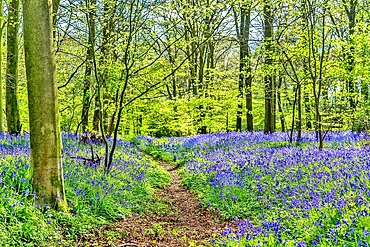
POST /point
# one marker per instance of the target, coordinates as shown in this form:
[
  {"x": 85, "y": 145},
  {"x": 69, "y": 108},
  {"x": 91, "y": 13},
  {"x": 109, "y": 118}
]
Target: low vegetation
[
  {"x": 278, "y": 194},
  {"x": 94, "y": 199}
]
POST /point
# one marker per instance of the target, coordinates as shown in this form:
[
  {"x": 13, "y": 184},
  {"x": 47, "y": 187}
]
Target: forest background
[{"x": 171, "y": 68}]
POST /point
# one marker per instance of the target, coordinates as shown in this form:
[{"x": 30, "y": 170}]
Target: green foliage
[{"x": 158, "y": 177}]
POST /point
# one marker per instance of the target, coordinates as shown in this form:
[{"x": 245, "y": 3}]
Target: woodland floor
[{"x": 183, "y": 223}]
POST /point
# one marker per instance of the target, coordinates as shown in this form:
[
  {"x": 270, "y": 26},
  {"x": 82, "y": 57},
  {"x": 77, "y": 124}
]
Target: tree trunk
[
  {"x": 47, "y": 177},
  {"x": 105, "y": 59},
  {"x": 299, "y": 112},
  {"x": 350, "y": 61},
  {"x": 280, "y": 107},
  {"x": 245, "y": 78},
  {"x": 91, "y": 7},
  {"x": 307, "y": 106},
  {"x": 273, "y": 102},
  {"x": 268, "y": 128},
  {"x": 240, "y": 85},
  {"x": 248, "y": 75},
  {"x": 108, "y": 57},
  {"x": 1, "y": 67},
  {"x": 173, "y": 77},
  {"x": 96, "y": 117},
  {"x": 55, "y": 11},
  {"x": 12, "y": 109}
]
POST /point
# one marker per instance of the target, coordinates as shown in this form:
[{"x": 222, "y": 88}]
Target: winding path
[
  {"x": 187, "y": 224},
  {"x": 181, "y": 223}
]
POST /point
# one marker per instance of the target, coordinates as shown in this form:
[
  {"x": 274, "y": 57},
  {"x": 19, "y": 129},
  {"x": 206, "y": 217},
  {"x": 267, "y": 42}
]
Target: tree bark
[
  {"x": 1, "y": 67},
  {"x": 90, "y": 6},
  {"x": 268, "y": 29},
  {"x": 299, "y": 112},
  {"x": 12, "y": 108},
  {"x": 308, "y": 110},
  {"x": 350, "y": 61},
  {"x": 245, "y": 78},
  {"x": 279, "y": 85},
  {"x": 47, "y": 177}
]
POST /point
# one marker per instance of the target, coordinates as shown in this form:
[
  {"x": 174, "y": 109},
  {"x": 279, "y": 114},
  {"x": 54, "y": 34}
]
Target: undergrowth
[{"x": 94, "y": 199}]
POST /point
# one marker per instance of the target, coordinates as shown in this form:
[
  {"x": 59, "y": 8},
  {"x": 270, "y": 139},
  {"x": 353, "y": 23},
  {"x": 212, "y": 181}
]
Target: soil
[{"x": 185, "y": 224}]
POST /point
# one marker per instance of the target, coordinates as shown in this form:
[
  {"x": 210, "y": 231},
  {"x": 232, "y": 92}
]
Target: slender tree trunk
[
  {"x": 113, "y": 117},
  {"x": 192, "y": 49},
  {"x": 281, "y": 112},
  {"x": 12, "y": 108},
  {"x": 273, "y": 103},
  {"x": 202, "y": 53},
  {"x": 280, "y": 107},
  {"x": 55, "y": 11},
  {"x": 106, "y": 52},
  {"x": 307, "y": 106},
  {"x": 241, "y": 76},
  {"x": 249, "y": 102},
  {"x": 299, "y": 112},
  {"x": 293, "y": 114},
  {"x": 241, "y": 90},
  {"x": 96, "y": 114},
  {"x": 268, "y": 63},
  {"x": 245, "y": 78},
  {"x": 1, "y": 67},
  {"x": 350, "y": 61},
  {"x": 210, "y": 67},
  {"x": 108, "y": 57},
  {"x": 248, "y": 70},
  {"x": 91, "y": 8},
  {"x": 349, "y": 58},
  {"x": 173, "y": 77},
  {"x": 47, "y": 177}
]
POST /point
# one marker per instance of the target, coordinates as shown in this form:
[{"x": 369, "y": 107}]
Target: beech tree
[
  {"x": 90, "y": 8},
  {"x": 12, "y": 109},
  {"x": 47, "y": 177},
  {"x": 268, "y": 78},
  {"x": 242, "y": 25}
]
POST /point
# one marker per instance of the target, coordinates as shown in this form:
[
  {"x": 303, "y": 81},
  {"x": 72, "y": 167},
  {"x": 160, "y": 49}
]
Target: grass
[
  {"x": 279, "y": 194},
  {"x": 94, "y": 199}
]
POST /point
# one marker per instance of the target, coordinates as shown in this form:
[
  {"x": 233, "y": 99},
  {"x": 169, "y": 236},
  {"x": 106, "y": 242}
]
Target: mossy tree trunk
[
  {"x": 12, "y": 109},
  {"x": 47, "y": 178}
]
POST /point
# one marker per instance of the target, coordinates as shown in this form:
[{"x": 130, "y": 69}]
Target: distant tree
[
  {"x": 268, "y": 78},
  {"x": 2, "y": 25},
  {"x": 47, "y": 177},
  {"x": 242, "y": 24},
  {"x": 86, "y": 101},
  {"x": 350, "y": 9},
  {"x": 314, "y": 17},
  {"x": 12, "y": 108}
]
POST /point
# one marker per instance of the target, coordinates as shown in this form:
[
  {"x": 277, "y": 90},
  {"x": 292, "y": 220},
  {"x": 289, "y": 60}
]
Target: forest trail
[{"x": 185, "y": 224}]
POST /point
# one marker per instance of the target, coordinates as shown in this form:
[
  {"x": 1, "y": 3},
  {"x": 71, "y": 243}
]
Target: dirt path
[{"x": 187, "y": 224}]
